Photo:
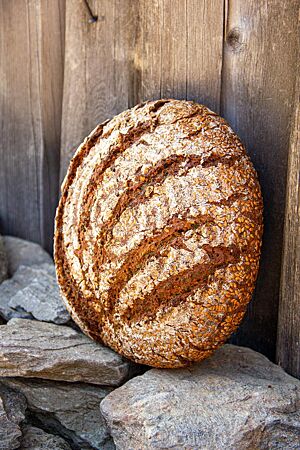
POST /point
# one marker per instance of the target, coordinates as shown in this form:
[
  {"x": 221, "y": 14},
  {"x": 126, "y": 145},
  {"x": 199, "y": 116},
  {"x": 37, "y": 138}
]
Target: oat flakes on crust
[{"x": 158, "y": 233}]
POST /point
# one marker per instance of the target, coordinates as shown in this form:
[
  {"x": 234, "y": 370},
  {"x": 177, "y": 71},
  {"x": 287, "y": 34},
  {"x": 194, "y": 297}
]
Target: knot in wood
[{"x": 235, "y": 39}]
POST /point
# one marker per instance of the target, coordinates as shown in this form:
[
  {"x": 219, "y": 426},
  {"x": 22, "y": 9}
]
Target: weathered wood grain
[
  {"x": 259, "y": 68},
  {"x": 31, "y": 61},
  {"x": 204, "y": 40},
  {"x": 288, "y": 342},
  {"x": 147, "y": 52},
  {"x": 174, "y": 49},
  {"x": 52, "y": 43},
  {"x": 137, "y": 51},
  {"x": 97, "y": 78},
  {"x": 179, "y": 50}
]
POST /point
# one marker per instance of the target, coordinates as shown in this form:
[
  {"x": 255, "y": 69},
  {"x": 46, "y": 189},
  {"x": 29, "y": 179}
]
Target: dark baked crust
[{"x": 158, "y": 233}]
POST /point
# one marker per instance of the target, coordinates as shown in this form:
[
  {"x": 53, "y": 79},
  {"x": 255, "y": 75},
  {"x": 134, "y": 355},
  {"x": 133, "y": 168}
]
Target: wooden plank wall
[
  {"x": 258, "y": 80},
  {"x": 31, "y": 80},
  {"x": 239, "y": 57},
  {"x": 288, "y": 345},
  {"x": 137, "y": 50}
]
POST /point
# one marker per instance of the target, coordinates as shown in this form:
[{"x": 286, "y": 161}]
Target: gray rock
[
  {"x": 237, "y": 399},
  {"x": 29, "y": 348},
  {"x": 12, "y": 413},
  {"x": 33, "y": 293},
  {"x": 3, "y": 262},
  {"x": 71, "y": 410},
  {"x": 42, "y": 299},
  {"x": 9, "y": 288},
  {"x": 37, "y": 439},
  {"x": 21, "y": 252}
]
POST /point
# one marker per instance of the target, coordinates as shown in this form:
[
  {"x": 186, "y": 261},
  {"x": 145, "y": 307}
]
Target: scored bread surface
[{"x": 158, "y": 233}]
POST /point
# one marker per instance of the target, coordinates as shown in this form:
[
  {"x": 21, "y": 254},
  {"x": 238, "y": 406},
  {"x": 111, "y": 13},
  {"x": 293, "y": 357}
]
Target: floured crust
[{"x": 158, "y": 233}]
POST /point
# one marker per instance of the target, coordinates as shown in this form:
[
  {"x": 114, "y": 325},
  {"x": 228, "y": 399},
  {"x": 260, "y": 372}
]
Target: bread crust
[{"x": 158, "y": 233}]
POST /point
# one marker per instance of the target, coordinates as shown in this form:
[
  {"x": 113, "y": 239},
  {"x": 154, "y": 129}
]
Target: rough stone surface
[
  {"x": 10, "y": 287},
  {"x": 3, "y": 261},
  {"x": 21, "y": 252},
  {"x": 36, "y": 439},
  {"x": 12, "y": 413},
  {"x": 42, "y": 299},
  {"x": 33, "y": 293},
  {"x": 237, "y": 399},
  {"x": 71, "y": 410},
  {"x": 30, "y": 348}
]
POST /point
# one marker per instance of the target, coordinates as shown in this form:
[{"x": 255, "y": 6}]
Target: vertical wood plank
[
  {"x": 174, "y": 49},
  {"x": 147, "y": 59},
  {"x": 288, "y": 342},
  {"x": 179, "y": 50},
  {"x": 52, "y": 44},
  {"x": 204, "y": 51},
  {"x": 258, "y": 79},
  {"x": 98, "y": 80},
  {"x": 31, "y": 64}
]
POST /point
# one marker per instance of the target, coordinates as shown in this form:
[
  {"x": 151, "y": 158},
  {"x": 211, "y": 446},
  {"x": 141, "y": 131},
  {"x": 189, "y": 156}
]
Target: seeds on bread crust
[{"x": 158, "y": 233}]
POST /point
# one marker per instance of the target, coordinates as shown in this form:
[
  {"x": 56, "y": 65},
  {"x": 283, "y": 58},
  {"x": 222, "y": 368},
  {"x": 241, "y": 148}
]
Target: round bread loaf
[{"x": 158, "y": 233}]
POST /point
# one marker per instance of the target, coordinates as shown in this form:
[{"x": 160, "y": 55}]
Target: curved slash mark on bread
[
  {"x": 68, "y": 285},
  {"x": 135, "y": 194},
  {"x": 70, "y": 288},
  {"x": 175, "y": 289},
  {"x": 152, "y": 246},
  {"x": 124, "y": 142}
]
